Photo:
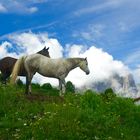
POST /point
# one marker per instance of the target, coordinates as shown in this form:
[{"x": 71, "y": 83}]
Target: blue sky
[{"x": 113, "y": 25}]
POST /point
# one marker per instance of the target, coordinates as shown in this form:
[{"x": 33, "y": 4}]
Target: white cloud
[
  {"x": 95, "y": 8},
  {"x": 2, "y": 8},
  {"x": 32, "y": 43},
  {"x": 133, "y": 57},
  {"x": 33, "y": 9},
  {"x": 4, "y": 50},
  {"x": 74, "y": 50},
  {"x": 19, "y": 7},
  {"x": 41, "y": 80},
  {"x": 92, "y": 32},
  {"x": 120, "y": 17},
  {"x": 101, "y": 65},
  {"x": 136, "y": 74}
]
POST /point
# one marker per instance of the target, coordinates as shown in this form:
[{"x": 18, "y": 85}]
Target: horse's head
[
  {"x": 45, "y": 52},
  {"x": 84, "y": 65}
]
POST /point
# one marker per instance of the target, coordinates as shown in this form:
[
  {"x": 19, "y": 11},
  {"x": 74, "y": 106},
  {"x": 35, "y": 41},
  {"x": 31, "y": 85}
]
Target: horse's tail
[{"x": 19, "y": 63}]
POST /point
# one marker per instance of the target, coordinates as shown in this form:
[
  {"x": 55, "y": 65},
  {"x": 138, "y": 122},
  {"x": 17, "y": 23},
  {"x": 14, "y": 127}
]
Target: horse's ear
[
  {"x": 47, "y": 49},
  {"x": 44, "y": 48}
]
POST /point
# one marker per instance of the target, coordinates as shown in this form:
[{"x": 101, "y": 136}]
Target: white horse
[{"x": 55, "y": 68}]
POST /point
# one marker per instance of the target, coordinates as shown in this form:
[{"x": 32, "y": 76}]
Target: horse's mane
[{"x": 76, "y": 59}]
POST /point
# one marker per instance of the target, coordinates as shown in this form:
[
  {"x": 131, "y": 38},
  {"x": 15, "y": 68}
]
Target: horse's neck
[{"x": 73, "y": 63}]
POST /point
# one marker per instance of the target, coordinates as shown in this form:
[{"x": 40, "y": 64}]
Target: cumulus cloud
[
  {"x": 136, "y": 73},
  {"x": 4, "y": 50},
  {"x": 101, "y": 64},
  {"x": 29, "y": 43},
  {"x": 74, "y": 50}
]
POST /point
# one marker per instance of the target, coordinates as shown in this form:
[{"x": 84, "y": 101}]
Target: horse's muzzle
[{"x": 87, "y": 72}]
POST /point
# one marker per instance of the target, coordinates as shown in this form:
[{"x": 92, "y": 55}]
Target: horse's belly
[{"x": 47, "y": 74}]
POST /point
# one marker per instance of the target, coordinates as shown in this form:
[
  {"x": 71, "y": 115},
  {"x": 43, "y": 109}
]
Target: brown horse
[{"x": 7, "y": 65}]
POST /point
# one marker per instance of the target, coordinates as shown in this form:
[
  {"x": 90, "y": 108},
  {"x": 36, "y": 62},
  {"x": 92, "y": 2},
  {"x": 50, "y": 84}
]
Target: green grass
[{"x": 45, "y": 115}]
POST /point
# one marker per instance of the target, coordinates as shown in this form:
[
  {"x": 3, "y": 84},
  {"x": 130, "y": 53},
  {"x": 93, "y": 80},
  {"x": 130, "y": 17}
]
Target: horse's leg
[
  {"x": 7, "y": 75},
  {"x": 28, "y": 83},
  {"x": 61, "y": 83},
  {"x": 3, "y": 78},
  {"x": 29, "y": 76},
  {"x": 64, "y": 83},
  {"x": 60, "y": 87},
  {"x": 30, "y": 79}
]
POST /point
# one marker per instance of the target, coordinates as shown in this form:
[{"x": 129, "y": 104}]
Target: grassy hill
[{"x": 44, "y": 115}]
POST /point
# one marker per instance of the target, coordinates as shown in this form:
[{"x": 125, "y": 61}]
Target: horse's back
[
  {"x": 7, "y": 63},
  {"x": 36, "y": 59},
  {"x": 43, "y": 65},
  {"x": 33, "y": 61},
  {"x": 7, "y": 58}
]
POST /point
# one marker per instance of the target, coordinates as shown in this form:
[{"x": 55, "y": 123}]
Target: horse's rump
[{"x": 7, "y": 64}]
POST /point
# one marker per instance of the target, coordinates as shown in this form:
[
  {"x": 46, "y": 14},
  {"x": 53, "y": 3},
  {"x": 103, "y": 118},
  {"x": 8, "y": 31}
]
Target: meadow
[{"x": 45, "y": 115}]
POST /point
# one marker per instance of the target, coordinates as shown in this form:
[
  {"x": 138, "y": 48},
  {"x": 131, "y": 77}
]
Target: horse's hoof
[{"x": 61, "y": 94}]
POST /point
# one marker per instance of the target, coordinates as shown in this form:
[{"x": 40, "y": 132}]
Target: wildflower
[
  {"x": 54, "y": 113},
  {"x": 35, "y": 117},
  {"x": 25, "y": 124},
  {"x": 19, "y": 119},
  {"x": 40, "y": 119},
  {"x": 78, "y": 122},
  {"x": 16, "y": 113},
  {"x": 48, "y": 112},
  {"x": 17, "y": 130},
  {"x": 70, "y": 104},
  {"x": 96, "y": 138},
  {"x": 77, "y": 106}
]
